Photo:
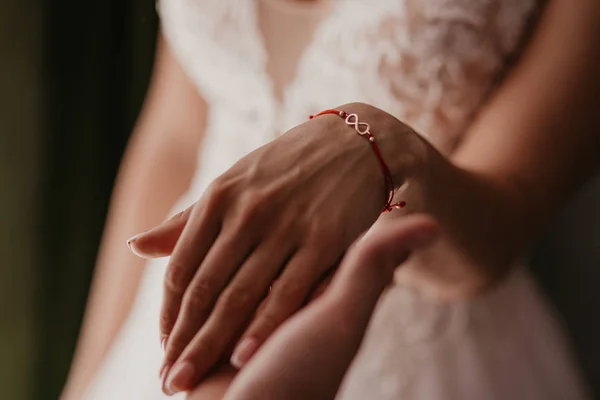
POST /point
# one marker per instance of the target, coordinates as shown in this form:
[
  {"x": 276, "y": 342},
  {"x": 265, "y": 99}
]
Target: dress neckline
[
  {"x": 297, "y": 6},
  {"x": 305, "y": 9}
]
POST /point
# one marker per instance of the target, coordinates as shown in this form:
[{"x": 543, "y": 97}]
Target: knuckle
[
  {"x": 290, "y": 293},
  {"x": 200, "y": 296},
  {"x": 266, "y": 324},
  {"x": 175, "y": 347},
  {"x": 237, "y": 300},
  {"x": 251, "y": 208},
  {"x": 231, "y": 237},
  {"x": 206, "y": 349},
  {"x": 216, "y": 193},
  {"x": 176, "y": 278}
]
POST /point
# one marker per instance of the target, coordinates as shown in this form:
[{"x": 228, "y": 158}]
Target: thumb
[
  {"x": 309, "y": 354},
  {"x": 160, "y": 240},
  {"x": 369, "y": 268},
  {"x": 371, "y": 262}
]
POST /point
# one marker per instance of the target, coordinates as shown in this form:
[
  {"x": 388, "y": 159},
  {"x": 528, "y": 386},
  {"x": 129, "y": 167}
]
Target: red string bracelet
[{"x": 364, "y": 129}]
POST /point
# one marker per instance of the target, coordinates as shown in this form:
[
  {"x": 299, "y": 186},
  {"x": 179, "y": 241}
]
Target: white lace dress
[{"x": 431, "y": 63}]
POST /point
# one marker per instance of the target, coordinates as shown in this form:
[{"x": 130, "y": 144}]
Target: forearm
[
  {"x": 485, "y": 224},
  {"x": 156, "y": 170},
  {"x": 487, "y": 218},
  {"x": 530, "y": 147},
  {"x": 145, "y": 174},
  {"x": 486, "y": 221}
]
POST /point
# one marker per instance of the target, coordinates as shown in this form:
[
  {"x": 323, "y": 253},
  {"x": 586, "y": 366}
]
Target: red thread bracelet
[{"x": 364, "y": 129}]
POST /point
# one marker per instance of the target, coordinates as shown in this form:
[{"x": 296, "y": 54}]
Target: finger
[
  {"x": 369, "y": 266},
  {"x": 195, "y": 241},
  {"x": 232, "y": 311},
  {"x": 160, "y": 240},
  {"x": 305, "y": 359},
  {"x": 213, "y": 275},
  {"x": 318, "y": 344},
  {"x": 286, "y": 297},
  {"x": 322, "y": 285}
]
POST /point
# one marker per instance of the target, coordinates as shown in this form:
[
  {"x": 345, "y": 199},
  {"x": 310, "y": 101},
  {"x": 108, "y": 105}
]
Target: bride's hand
[
  {"x": 307, "y": 357},
  {"x": 287, "y": 211}
]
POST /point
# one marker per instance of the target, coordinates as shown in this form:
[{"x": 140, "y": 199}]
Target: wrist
[
  {"x": 404, "y": 151},
  {"x": 397, "y": 152},
  {"x": 483, "y": 217}
]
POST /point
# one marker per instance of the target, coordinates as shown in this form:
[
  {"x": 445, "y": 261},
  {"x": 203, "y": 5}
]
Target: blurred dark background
[{"x": 72, "y": 80}]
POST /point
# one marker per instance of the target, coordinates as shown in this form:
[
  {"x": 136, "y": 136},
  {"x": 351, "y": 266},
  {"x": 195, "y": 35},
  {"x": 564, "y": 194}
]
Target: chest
[{"x": 429, "y": 62}]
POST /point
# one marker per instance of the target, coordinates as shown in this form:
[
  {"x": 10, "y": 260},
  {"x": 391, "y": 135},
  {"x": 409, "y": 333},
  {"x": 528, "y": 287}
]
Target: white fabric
[{"x": 429, "y": 62}]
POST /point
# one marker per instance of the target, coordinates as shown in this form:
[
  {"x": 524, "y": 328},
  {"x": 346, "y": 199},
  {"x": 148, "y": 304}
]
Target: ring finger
[
  {"x": 231, "y": 312},
  {"x": 217, "y": 269}
]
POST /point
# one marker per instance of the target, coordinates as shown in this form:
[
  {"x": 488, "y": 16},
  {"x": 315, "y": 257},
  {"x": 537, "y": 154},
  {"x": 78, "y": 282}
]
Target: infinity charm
[
  {"x": 364, "y": 129},
  {"x": 352, "y": 120}
]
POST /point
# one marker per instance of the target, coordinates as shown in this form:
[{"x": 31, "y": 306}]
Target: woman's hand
[
  {"x": 307, "y": 357},
  {"x": 287, "y": 212}
]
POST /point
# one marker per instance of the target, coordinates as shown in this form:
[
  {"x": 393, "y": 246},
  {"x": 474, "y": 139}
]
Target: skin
[
  {"x": 158, "y": 164},
  {"x": 320, "y": 341},
  {"x": 308, "y": 356},
  {"x": 274, "y": 213},
  {"x": 536, "y": 135},
  {"x": 531, "y": 146}
]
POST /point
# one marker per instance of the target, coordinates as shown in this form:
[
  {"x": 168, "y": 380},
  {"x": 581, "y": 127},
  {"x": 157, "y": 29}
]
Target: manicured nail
[
  {"x": 133, "y": 248},
  {"x": 179, "y": 378},
  {"x": 244, "y": 350},
  {"x": 131, "y": 240}
]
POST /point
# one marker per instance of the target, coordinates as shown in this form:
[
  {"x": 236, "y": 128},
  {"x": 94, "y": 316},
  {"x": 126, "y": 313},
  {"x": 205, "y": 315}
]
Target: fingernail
[
  {"x": 242, "y": 353},
  {"x": 131, "y": 240},
  {"x": 179, "y": 378},
  {"x": 133, "y": 248},
  {"x": 163, "y": 343}
]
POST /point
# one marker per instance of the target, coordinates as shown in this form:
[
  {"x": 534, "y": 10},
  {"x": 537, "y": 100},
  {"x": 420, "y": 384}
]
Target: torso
[
  {"x": 432, "y": 64},
  {"x": 287, "y": 27},
  {"x": 271, "y": 63}
]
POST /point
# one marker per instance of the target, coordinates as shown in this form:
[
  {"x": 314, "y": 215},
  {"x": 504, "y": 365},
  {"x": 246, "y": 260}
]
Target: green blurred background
[{"x": 72, "y": 80}]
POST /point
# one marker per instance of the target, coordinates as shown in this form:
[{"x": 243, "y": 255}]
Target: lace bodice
[{"x": 431, "y": 63}]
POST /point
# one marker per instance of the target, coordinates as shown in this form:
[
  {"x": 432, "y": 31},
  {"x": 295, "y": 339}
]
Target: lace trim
[{"x": 429, "y": 62}]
